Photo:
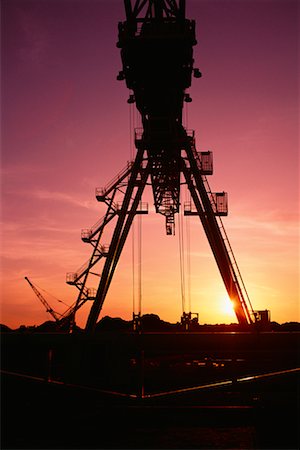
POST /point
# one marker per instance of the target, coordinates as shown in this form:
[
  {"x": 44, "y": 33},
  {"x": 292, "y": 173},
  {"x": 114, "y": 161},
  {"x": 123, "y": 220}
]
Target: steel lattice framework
[{"x": 156, "y": 43}]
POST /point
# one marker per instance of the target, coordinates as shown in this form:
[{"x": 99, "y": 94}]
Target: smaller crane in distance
[
  {"x": 56, "y": 316},
  {"x": 65, "y": 321}
]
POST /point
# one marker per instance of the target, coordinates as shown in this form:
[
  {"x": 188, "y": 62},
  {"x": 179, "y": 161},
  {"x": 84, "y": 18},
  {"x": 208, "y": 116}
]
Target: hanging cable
[
  {"x": 51, "y": 295},
  {"x": 131, "y": 131},
  {"x": 188, "y": 261},
  {"x": 140, "y": 264},
  {"x": 137, "y": 119},
  {"x": 131, "y": 127},
  {"x": 186, "y": 115},
  {"x": 188, "y": 233},
  {"x": 136, "y": 247},
  {"x": 181, "y": 261},
  {"x": 133, "y": 264}
]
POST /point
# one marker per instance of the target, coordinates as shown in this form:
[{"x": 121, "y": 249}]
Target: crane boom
[{"x": 54, "y": 314}]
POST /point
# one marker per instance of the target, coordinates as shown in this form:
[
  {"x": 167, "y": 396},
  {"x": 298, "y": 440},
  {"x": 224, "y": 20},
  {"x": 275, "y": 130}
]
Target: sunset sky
[{"x": 65, "y": 131}]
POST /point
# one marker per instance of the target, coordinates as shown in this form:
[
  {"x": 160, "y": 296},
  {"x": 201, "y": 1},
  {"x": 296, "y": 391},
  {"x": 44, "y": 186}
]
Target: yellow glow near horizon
[{"x": 227, "y": 306}]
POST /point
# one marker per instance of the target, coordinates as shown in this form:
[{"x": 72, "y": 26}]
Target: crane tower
[{"x": 156, "y": 43}]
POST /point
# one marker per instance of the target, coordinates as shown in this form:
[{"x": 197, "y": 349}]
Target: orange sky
[{"x": 65, "y": 131}]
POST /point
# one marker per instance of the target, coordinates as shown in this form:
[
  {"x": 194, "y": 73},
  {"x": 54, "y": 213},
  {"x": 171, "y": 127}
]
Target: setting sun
[{"x": 227, "y": 306}]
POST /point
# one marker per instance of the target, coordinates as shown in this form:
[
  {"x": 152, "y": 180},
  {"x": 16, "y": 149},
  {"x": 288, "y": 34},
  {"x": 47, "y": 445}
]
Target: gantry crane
[{"x": 156, "y": 43}]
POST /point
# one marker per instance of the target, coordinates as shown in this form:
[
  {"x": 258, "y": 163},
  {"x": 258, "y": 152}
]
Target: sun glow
[{"x": 227, "y": 306}]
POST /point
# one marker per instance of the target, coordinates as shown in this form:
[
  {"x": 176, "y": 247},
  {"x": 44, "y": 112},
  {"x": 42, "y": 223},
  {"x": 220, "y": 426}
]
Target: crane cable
[
  {"x": 138, "y": 124},
  {"x": 186, "y": 115},
  {"x": 184, "y": 250},
  {"x": 181, "y": 237},
  {"x": 51, "y": 295},
  {"x": 131, "y": 121},
  {"x": 188, "y": 259},
  {"x": 140, "y": 264},
  {"x": 136, "y": 242},
  {"x": 181, "y": 260},
  {"x": 188, "y": 227}
]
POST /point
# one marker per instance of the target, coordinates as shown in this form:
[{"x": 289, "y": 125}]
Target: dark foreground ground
[{"x": 213, "y": 392}]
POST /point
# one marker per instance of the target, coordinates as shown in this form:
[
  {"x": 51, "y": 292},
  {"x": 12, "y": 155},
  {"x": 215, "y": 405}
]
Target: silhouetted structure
[{"x": 156, "y": 43}]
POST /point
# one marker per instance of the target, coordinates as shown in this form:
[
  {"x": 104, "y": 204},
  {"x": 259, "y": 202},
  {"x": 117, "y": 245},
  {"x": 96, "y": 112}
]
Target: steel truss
[
  {"x": 134, "y": 179},
  {"x": 156, "y": 42}
]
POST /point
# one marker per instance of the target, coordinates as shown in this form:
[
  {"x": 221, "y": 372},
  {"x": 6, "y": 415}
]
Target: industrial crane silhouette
[
  {"x": 56, "y": 316},
  {"x": 64, "y": 321},
  {"x": 156, "y": 43}
]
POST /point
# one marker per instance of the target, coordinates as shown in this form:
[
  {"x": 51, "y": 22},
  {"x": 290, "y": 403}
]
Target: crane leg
[
  {"x": 210, "y": 225},
  {"x": 133, "y": 194}
]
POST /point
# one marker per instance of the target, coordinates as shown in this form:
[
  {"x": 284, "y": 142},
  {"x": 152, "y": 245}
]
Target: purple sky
[{"x": 65, "y": 130}]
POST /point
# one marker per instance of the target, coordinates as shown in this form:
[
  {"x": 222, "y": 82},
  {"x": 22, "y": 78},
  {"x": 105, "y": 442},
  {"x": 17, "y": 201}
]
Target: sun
[{"x": 227, "y": 306}]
